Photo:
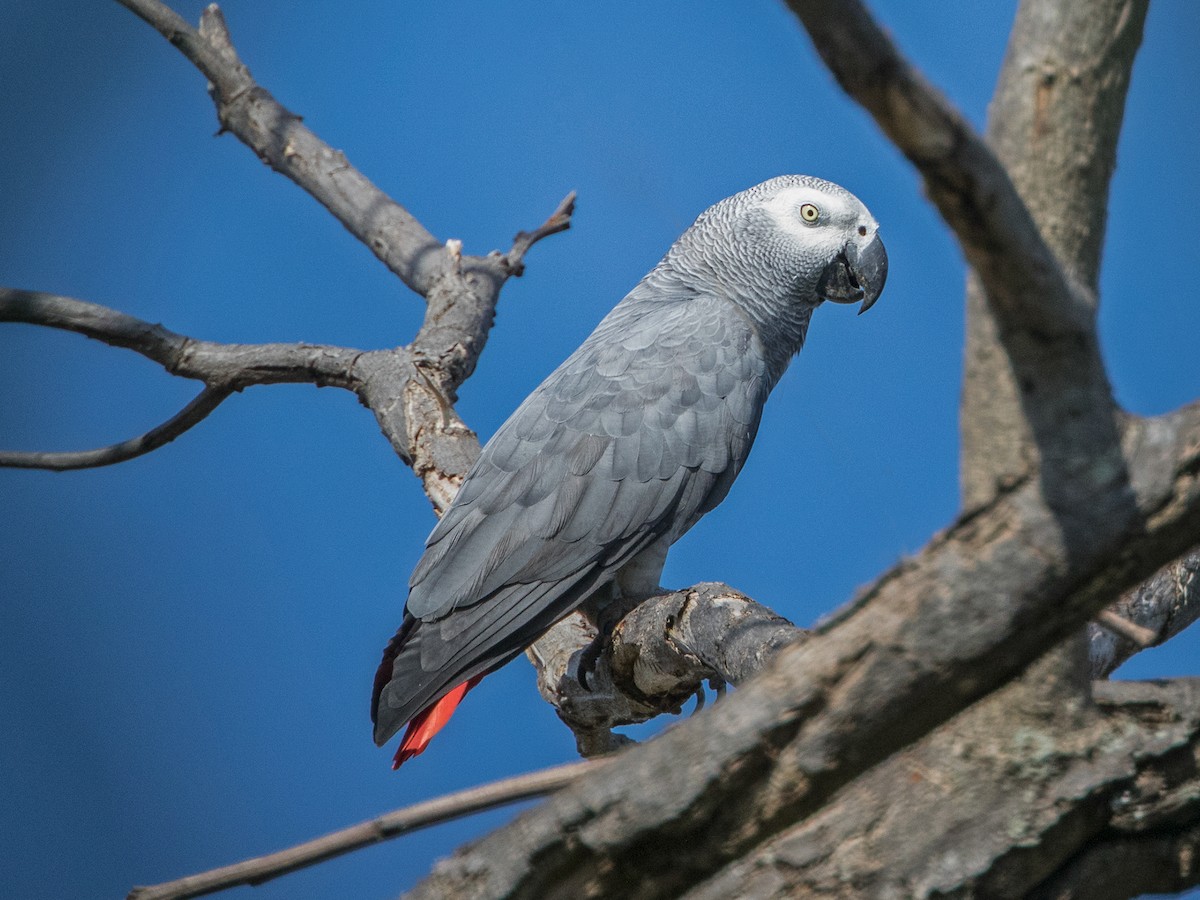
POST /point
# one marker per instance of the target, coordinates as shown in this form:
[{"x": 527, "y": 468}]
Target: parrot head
[{"x": 784, "y": 246}]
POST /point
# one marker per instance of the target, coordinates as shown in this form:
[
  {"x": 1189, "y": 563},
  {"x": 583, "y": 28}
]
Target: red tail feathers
[{"x": 429, "y": 721}]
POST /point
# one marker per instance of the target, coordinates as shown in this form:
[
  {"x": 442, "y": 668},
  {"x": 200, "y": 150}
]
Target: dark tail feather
[{"x": 384, "y": 673}]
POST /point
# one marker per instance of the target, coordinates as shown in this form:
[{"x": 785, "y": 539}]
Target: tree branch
[
  {"x": 1112, "y": 775},
  {"x": 1054, "y": 123},
  {"x": 204, "y": 403},
  {"x": 658, "y": 657},
  {"x": 402, "y": 821},
  {"x": 280, "y": 140},
  {"x": 224, "y": 368},
  {"x": 411, "y": 390},
  {"x": 221, "y": 366}
]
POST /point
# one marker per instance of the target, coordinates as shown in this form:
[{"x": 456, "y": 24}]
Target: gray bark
[{"x": 1054, "y": 123}]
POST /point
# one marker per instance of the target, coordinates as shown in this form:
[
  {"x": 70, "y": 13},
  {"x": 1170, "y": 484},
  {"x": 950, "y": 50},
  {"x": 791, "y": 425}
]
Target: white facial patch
[{"x": 837, "y": 216}]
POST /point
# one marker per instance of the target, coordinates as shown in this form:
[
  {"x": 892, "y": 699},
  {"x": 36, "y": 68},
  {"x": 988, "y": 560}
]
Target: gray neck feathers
[{"x": 743, "y": 259}]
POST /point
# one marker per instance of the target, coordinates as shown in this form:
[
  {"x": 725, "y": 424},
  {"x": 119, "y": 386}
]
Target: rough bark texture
[
  {"x": 1004, "y": 800},
  {"x": 1054, "y": 123}
]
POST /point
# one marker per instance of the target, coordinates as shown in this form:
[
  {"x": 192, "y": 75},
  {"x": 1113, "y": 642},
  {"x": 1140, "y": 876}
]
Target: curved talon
[{"x": 589, "y": 658}]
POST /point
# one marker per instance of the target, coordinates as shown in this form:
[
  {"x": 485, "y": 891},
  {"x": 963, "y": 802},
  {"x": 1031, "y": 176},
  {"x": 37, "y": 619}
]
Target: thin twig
[
  {"x": 393, "y": 824},
  {"x": 1163, "y": 605},
  {"x": 560, "y": 220},
  {"x": 203, "y": 404}
]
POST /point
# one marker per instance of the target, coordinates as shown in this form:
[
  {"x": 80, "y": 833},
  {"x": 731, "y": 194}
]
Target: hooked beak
[{"x": 857, "y": 273}]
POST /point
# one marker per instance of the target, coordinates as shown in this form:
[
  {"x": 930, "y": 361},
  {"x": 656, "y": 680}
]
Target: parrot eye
[
  {"x": 862, "y": 230},
  {"x": 809, "y": 213}
]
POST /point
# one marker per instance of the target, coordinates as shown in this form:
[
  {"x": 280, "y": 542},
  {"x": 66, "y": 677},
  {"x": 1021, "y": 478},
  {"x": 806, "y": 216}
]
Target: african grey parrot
[{"x": 626, "y": 445}]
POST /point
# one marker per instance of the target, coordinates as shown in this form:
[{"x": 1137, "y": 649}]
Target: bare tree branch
[
  {"x": 278, "y": 137},
  {"x": 411, "y": 395},
  {"x": 391, "y": 825},
  {"x": 1054, "y": 123},
  {"x": 204, "y": 403},
  {"x": 1114, "y": 775},
  {"x": 228, "y": 366}
]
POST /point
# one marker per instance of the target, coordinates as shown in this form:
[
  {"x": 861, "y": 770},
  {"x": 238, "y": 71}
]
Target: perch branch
[
  {"x": 402, "y": 821},
  {"x": 659, "y": 656}
]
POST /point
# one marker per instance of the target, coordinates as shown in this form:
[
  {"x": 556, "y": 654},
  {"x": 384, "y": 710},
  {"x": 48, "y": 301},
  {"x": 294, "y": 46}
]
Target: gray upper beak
[
  {"x": 869, "y": 267},
  {"x": 858, "y": 273}
]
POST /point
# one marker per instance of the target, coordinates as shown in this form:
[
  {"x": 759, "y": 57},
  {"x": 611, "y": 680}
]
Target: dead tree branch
[
  {"x": 192, "y": 414},
  {"x": 262, "y": 869}
]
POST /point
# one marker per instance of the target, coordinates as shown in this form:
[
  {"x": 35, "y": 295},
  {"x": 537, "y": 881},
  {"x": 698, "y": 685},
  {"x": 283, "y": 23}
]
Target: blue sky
[{"x": 187, "y": 640}]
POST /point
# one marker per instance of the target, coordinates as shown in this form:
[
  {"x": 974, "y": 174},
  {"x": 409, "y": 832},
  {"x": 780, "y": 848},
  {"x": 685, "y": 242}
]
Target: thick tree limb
[
  {"x": 1054, "y": 123},
  {"x": 391, "y": 825},
  {"x": 1009, "y": 806}
]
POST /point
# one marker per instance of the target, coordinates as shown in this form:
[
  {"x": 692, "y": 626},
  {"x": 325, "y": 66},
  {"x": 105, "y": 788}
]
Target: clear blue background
[{"x": 187, "y": 640}]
